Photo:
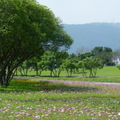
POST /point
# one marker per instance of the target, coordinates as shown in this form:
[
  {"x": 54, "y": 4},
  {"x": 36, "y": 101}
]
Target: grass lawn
[
  {"x": 109, "y": 71},
  {"x": 107, "y": 74},
  {"x": 106, "y": 71},
  {"x": 55, "y": 100},
  {"x": 62, "y": 98}
]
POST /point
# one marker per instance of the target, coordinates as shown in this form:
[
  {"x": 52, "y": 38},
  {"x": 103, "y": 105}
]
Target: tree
[
  {"x": 118, "y": 66},
  {"x": 69, "y": 65},
  {"x": 53, "y": 60},
  {"x": 72, "y": 56},
  {"x": 81, "y": 65},
  {"x": 85, "y": 55},
  {"x": 26, "y": 29},
  {"x": 34, "y": 64},
  {"x": 24, "y": 68},
  {"x": 92, "y": 64},
  {"x": 104, "y": 54},
  {"x": 41, "y": 67}
]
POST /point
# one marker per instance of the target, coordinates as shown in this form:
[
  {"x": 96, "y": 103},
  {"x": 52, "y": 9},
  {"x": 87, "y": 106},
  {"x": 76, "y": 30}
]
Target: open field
[
  {"x": 106, "y": 71},
  {"x": 54, "y": 100},
  {"x": 107, "y": 74},
  {"x": 62, "y": 98}
]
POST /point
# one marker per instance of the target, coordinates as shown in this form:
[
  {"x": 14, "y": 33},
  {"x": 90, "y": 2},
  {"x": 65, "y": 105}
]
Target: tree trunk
[
  {"x": 5, "y": 77},
  {"x": 51, "y": 73}
]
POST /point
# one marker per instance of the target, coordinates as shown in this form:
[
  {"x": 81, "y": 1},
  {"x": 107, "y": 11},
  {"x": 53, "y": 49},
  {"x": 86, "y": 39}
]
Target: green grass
[
  {"x": 106, "y": 71},
  {"x": 57, "y": 101},
  {"x": 65, "y": 98},
  {"x": 107, "y": 74},
  {"x": 109, "y": 71}
]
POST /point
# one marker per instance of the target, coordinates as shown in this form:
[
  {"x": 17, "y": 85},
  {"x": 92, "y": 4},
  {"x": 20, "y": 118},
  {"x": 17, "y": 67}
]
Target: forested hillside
[{"x": 94, "y": 34}]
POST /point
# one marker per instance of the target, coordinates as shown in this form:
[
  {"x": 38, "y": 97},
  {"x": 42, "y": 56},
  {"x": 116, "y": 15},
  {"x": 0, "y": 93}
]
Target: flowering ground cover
[{"x": 59, "y": 100}]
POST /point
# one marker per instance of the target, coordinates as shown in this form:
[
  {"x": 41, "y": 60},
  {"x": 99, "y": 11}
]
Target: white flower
[
  {"x": 38, "y": 117},
  {"x": 119, "y": 113}
]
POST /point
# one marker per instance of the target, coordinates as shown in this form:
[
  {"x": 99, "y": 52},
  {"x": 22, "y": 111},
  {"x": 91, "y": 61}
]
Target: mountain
[{"x": 94, "y": 34}]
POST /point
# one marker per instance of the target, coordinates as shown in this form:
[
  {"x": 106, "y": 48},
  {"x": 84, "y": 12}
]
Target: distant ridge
[{"x": 94, "y": 34}]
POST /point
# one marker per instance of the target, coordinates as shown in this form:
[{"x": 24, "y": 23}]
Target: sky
[{"x": 84, "y": 11}]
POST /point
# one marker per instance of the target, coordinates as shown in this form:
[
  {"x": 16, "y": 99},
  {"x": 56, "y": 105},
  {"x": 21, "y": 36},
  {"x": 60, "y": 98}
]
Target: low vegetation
[{"x": 52, "y": 99}]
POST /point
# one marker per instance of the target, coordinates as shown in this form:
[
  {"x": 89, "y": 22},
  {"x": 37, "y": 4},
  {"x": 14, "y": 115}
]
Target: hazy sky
[{"x": 84, "y": 11}]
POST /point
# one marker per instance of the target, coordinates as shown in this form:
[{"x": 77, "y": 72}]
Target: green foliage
[
  {"x": 104, "y": 54},
  {"x": 53, "y": 61},
  {"x": 118, "y": 66},
  {"x": 24, "y": 68},
  {"x": 85, "y": 55},
  {"x": 69, "y": 65},
  {"x": 27, "y": 29},
  {"x": 91, "y": 64}
]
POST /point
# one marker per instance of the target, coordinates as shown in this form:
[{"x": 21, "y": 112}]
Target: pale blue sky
[{"x": 84, "y": 11}]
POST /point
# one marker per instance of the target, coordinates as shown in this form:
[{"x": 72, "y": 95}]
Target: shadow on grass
[
  {"x": 36, "y": 76},
  {"x": 45, "y": 86}
]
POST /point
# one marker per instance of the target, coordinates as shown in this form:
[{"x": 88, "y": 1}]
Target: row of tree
[{"x": 56, "y": 62}]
